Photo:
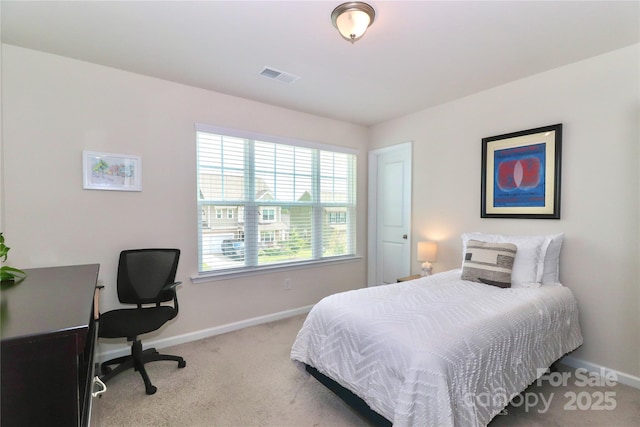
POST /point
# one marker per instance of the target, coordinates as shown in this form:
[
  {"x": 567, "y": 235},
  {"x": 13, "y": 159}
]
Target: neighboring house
[
  {"x": 333, "y": 218},
  {"x": 277, "y": 224},
  {"x": 222, "y": 220}
]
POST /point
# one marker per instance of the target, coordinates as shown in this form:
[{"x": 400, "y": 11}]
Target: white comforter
[{"x": 438, "y": 351}]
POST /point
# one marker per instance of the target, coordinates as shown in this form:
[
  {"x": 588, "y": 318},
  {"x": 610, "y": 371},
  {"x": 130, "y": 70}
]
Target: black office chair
[{"x": 145, "y": 276}]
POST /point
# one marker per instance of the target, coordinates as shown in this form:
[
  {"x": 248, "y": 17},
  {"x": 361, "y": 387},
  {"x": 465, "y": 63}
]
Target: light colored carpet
[{"x": 245, "y": 378}]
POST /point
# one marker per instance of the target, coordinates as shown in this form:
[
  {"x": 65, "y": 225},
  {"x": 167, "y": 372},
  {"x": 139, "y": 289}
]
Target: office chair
[{"x": 145, "y": 276}]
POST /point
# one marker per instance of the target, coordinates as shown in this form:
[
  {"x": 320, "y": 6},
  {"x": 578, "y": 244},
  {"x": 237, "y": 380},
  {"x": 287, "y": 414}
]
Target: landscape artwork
[{"x": 106, "y": 171}]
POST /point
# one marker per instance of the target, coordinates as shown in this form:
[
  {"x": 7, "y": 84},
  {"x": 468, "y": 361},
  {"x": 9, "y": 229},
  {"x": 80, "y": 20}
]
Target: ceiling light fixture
[{"x": 352, "y": 19}]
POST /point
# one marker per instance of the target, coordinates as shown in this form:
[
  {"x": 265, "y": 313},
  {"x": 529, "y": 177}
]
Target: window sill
[{"x": 232, "y": 274}]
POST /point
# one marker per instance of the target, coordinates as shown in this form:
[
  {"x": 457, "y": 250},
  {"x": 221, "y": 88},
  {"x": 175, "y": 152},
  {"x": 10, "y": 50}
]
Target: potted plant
[{"x": 8, "y": 274}]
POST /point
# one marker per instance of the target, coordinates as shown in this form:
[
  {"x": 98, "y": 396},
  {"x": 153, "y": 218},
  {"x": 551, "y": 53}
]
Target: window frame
[
  {"x": 270, "y": 213},
  {"x": 337, "y": 217},
  {"x": 247, "y": 270}
]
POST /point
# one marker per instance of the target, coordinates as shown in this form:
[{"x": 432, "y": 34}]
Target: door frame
[{"x": 372, "y": 203}]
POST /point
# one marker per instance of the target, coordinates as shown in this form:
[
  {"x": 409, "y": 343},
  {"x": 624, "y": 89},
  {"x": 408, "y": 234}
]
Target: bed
[{"x": 446, "y": 350}]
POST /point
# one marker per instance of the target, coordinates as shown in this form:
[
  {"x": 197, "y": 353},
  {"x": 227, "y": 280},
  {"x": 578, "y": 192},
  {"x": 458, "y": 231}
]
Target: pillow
[
  {"x": 528, "y": 266},
  {"x": 489, "y": 263},
  {"x": 551, "y": 273}
]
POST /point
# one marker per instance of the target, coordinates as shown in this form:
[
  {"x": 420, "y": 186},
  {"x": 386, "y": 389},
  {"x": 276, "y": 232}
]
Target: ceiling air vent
[{"x": 274, "y": 74}]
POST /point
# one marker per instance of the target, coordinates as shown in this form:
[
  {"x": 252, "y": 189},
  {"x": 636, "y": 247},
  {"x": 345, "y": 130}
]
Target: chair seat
[{"x": 132, "y": 322}]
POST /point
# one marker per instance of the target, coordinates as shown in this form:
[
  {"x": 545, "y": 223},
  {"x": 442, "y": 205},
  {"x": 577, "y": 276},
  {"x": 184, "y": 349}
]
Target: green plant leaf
[
  {"x": 7, "y": 273},
  {"x": 3, "y": 248}
]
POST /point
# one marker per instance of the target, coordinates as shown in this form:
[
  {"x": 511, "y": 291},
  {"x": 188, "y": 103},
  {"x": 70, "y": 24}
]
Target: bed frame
[
  {"x": 350, "y": 399},
  {"x": 360, "y": 405}
]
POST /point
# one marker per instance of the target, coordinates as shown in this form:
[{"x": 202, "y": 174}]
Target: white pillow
[
  {"x": 528, "y": 266},
  {"x": 551, "y": 273}
]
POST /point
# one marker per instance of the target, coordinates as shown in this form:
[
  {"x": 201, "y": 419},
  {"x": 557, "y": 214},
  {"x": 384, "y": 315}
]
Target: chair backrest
[{"x": 142, "y": 273}]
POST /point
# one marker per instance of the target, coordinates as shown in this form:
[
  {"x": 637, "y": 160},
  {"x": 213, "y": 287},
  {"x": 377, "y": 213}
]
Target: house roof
[
  {"x": 417, "y": 54},
  {"x": 212, "y": 188}
]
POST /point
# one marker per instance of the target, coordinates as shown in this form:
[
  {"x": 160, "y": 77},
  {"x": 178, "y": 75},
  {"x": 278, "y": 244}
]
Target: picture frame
[
  {"x": 521, "y": 174},
  {"x": 110, "y": 171}
]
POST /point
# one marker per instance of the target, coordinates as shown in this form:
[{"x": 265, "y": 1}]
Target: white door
[{"x": 389, "y": 214}]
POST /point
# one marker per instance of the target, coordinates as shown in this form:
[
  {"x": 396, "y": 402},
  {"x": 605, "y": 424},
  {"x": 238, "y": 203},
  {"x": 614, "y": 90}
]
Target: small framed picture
[
  {"x": 108, "y": 171},
  {"x": 521, "y": 174}
]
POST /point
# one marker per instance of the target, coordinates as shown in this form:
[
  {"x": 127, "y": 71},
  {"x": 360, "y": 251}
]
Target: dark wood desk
[{"x": 48, "y": 335}]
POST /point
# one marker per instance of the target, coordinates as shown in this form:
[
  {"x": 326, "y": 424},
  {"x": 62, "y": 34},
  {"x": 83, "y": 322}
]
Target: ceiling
[{"x": 417, "y": 54}]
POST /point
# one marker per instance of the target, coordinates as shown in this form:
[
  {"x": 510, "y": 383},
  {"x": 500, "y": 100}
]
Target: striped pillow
[{"x": 489, "y": 263}]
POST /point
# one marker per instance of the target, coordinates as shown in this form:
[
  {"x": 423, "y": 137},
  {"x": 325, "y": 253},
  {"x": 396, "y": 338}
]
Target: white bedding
[{"x": 438, "y": 351}]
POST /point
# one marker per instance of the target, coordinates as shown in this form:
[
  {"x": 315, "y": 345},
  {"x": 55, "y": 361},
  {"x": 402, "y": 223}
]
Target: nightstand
[{"x": 407, "y": 278}]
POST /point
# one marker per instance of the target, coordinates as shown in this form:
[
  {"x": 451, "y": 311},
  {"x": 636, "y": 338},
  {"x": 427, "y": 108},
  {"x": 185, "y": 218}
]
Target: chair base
[{"x": 137, "y": 360}]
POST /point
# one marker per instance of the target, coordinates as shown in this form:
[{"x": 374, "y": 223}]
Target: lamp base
[{"x": 427, "y": 269}]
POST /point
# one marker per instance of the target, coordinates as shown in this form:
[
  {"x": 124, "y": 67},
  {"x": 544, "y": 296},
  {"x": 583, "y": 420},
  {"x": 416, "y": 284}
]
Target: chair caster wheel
[
  {"x": 152, "y": 389},
  {"x": 182, "y": 364}
]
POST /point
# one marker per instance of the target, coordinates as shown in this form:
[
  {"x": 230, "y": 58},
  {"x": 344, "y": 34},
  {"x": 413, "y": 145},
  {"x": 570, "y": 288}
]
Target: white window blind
[{"x": 284, "y": 203}]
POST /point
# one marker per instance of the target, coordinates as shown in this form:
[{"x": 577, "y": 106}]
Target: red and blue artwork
[{"x": 519, "y": 176}]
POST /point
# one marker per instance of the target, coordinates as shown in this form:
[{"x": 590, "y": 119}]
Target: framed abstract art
[{"x": 521, "y": 174}]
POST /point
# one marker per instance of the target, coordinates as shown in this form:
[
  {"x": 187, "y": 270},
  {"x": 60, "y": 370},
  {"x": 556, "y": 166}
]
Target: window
[
  {"x": 267, "y": 236},
  {"x": 337, "y": 217},
  {"x": 295, "y": 201},
  {"x": 268, "y": 214}
]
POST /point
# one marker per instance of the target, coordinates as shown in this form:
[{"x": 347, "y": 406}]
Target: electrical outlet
[{"x": 287, "y": 284}]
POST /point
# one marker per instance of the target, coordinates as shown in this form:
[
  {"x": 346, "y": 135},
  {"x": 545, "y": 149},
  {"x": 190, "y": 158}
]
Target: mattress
[{"x": 438, "y": 350}]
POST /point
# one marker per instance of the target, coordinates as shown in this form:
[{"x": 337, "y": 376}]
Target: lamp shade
[
  {"x": 427, "y": 251},
  {"x": 352, "y": 19}
]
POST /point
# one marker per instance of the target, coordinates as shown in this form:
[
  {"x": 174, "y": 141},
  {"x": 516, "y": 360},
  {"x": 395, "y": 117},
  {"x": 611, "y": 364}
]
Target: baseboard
[
  {"x": 206, "y": 333},
  {"x": 622, "y": 378}
]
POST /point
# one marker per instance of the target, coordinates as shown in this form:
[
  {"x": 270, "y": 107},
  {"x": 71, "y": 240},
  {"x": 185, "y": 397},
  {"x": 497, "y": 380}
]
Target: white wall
[
  {"x": 55, "y": 107},
  {"x": 597, "y": 101}
]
